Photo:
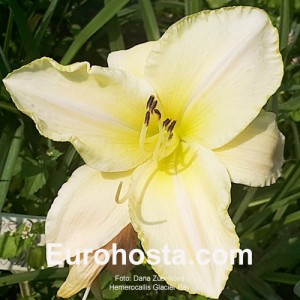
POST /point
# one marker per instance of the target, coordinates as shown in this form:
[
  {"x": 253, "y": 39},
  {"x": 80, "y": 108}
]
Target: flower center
[{"x": 167, "y": 139}]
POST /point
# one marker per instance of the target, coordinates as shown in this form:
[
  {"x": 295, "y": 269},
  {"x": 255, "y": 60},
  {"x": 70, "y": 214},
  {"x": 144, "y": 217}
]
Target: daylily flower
[{"x": 164, "y": 130}]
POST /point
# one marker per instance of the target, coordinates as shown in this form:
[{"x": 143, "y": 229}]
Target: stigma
[{"x": 165, "y": 129}]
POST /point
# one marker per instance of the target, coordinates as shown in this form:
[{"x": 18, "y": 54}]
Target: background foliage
[{"x": 32, "y": 168}]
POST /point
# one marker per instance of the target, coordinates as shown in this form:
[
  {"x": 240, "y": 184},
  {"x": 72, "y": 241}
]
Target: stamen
[
  {"x": 153, "y": 106},
  {"x": 147, "y": 118},
  {"x": 157, "y": 112},
  {"x": 144, "y": 130},
  {"x": 150, "y": 101},
  {"x": 167, "y": 125},
  {"x": 165, "y": 133},
  {"x": 166, "y": 122},
  {"x": 171, "y": 127}
]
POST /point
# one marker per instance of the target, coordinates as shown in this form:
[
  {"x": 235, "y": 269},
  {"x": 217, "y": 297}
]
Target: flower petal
[
  {"x": 82, "y": 275},
  {"x": 216, "y": 69},
  {"x": 126, "y": 240},
  {"x": 182, "y": 204},
  {"x": 85, "y": 214},
  {"x": 132, "y": 60},
  {"x": 101, "y": 111},
  {"x": 255, "y": 156}
]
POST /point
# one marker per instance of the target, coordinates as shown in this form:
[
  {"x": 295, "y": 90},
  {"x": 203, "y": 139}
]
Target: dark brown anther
[
  {"x": 166, "y": 122},
  {"x": 170, "y": 135},
  {"x": 171, "y": 127},
  {"x": 150, "y": 102},
  {"x": 157, "y": 112},
  {"x": 153, "y": 106},
  {"x": 147, "y": 118}
]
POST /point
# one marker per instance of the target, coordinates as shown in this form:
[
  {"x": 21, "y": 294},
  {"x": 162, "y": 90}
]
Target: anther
[
  {"x": 166, "y": 122},
  {"x": 150, "y": 102},
  {"x": 157, "y": 112},
  {"x": 147, "y": 118},
  {"x": 171, "y": 127},
  {"x": 153, "y": 106}
]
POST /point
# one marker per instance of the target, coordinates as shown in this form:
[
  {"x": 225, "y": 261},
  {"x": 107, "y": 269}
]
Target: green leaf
[
  {"x": 283, "y": 278},
  {"x": 106, "y": 281},
  {"x": 244, "y": 204},
  {"x": 149, "y": 20},
  {"x": 284, "y": 254},
  {"x": 290, "y": 105},
  {"x": 33, "y": 184},
  {"x": 263, "y": 288},
  {"x": 292, "y": 108},
  {"x": 24, "y": 30},
  {"x": 240, "y": 283},
  {"x": 285, "y": 15},
  {"x": 293, "y": 217},
  {"x": 47, "y": 274},
  {"x": 217, "y": 3},
  {"x": 255, "y": 220},
  {"x": 9, "y": 107},
  {"x": 37, "y": 257},
  {"x": 193, "y": 6},
  {"x": 116, "y": 41},
  {"x": 10, "y": 164},
  {"x": 110, "y": 10},
  {"x": 45, "y": 21},
  {"x": 4, "y": 65},
  {"x": 8, "y": 246}
]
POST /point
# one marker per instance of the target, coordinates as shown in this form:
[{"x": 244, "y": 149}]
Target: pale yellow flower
[{"x": 164, "y": 130}]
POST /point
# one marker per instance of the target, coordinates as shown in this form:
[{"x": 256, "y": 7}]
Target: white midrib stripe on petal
[
  {"x": 187, "y": 215},
  {"x": 221, "y": 66},
  {"x": 97, "y": 115}
]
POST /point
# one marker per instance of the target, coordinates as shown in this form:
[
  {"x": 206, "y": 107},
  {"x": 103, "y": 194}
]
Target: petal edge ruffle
[
  {"x": 100, "y": 110},
  {"x": 255, "y": 156}
]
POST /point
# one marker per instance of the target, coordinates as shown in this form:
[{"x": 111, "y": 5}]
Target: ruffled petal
[
  {"x": 101, "y": 111},
  {"x": 85, "y": 214},
  {"x": 181, "y": 203},
  {"x": 214, "y": 71},
  {"x": 255, "y": 156},
  {"x": 132, "y": 60}
]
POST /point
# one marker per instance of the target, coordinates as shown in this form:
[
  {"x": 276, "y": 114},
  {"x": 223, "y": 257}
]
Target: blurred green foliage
[{"x": 32, "y": 168}]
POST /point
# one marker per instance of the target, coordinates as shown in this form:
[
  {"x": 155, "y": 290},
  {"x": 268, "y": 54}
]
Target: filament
[
  {"x": 143, "y": 136},
  {"x": 86, "y": 293},
  {"x": 161, "y": 138}
]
